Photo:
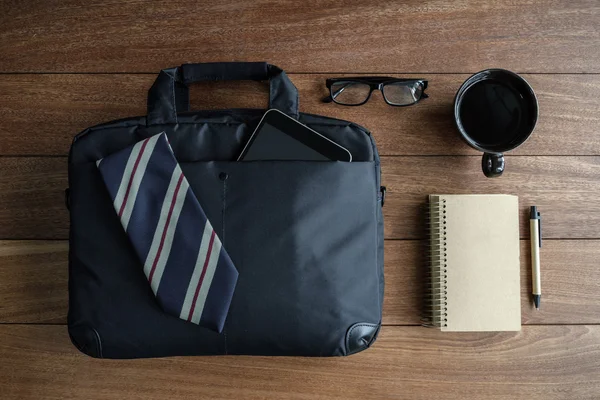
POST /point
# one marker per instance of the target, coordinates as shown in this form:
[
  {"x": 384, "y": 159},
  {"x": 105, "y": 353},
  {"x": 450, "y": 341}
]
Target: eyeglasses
[{"x": 356, "y": 91}]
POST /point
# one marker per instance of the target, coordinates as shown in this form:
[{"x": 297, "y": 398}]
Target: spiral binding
[{"x": 435, "y": 304}]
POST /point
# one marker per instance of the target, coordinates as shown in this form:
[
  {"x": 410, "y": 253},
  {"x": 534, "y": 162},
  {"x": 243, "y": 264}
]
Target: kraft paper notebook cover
[{"x": 474, "y": 263}]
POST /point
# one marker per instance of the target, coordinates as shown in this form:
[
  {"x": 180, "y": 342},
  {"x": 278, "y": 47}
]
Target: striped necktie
[{"x": 184, "y": 261}]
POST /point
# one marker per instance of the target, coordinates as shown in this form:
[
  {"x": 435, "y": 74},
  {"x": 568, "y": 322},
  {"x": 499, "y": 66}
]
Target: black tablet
[{"x": 280, "y": 137}]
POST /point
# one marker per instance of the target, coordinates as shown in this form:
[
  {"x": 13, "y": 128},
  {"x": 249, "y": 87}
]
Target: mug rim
[{"x": 478, "y": 77}]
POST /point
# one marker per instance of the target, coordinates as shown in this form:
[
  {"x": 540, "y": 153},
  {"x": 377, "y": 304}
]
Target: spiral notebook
[{"x": 474, "y": 263}]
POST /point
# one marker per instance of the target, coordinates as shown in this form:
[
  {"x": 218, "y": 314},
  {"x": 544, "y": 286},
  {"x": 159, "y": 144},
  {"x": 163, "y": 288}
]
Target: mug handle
[{"x": 492, "y": 164}]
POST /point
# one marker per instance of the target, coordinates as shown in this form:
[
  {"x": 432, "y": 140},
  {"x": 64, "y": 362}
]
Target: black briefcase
[{"x": 305, "y": 236}]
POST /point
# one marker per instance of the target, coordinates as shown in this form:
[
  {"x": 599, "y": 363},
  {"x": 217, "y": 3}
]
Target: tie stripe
[
  {"x": 130, "y": 183},
  {"x": 213, "y": 306},
  {"x": 190, "y": 274},
  {"x": 205, "y": 282},
  {"x": 125, "y": 177},
  {"x": 163, "y": 235},
  {"x": 202, "y": 277},
  {"x": 199, "y": 284}
]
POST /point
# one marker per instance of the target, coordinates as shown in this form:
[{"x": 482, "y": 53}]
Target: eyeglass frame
[{"x": 375, "y": 83}]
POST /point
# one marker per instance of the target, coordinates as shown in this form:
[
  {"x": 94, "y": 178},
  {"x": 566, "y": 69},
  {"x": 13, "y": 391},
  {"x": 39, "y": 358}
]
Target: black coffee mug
[{"x": 495, "y": 111}]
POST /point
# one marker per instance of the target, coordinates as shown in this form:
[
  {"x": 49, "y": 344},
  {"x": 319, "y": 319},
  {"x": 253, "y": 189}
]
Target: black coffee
[{"x": 491, "y": 113}]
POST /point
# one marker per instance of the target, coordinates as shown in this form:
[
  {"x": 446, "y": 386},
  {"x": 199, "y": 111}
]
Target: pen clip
[{"x": 540, "y": 228}]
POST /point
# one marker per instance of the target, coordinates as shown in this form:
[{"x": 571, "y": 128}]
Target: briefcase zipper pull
[
  {"x": 382, "y": 193},
  {"x": 67, "y": 199}
]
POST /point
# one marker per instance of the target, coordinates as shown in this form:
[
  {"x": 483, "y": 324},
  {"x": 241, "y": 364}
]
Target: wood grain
[
  {"x": 33, "y": 282},
  {"x": 40, "y": 113},
  {"x": 565, "y": 189},
  {"x": 405, "y": 362},
  {"x": 570, "y": 282},
  {"x": 312, "y": 36},
  {"x": 32, "y": 198}
]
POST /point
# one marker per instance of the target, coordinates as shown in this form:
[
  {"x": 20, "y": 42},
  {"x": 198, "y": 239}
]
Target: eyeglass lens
[
  {"x": 349, "y": 92},
  {"x": 402, "y": 93}
]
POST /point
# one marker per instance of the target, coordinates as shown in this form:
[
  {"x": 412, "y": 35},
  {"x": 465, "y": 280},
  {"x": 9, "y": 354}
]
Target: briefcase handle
[{"x": 170, "y": 94}]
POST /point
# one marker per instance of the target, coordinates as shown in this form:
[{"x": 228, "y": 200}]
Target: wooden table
[{"x": 71, "y": 64}]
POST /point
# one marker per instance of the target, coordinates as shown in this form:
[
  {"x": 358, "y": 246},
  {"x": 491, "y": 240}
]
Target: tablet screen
[{"x": 272, "y": 144}]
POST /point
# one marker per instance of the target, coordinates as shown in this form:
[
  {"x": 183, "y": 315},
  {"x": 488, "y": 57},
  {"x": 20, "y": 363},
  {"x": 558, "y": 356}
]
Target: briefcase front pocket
[{"x": 304, "y": 238}]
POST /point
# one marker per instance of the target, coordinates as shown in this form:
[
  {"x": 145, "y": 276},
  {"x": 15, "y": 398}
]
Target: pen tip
[{"x": 536, "y": 301}]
